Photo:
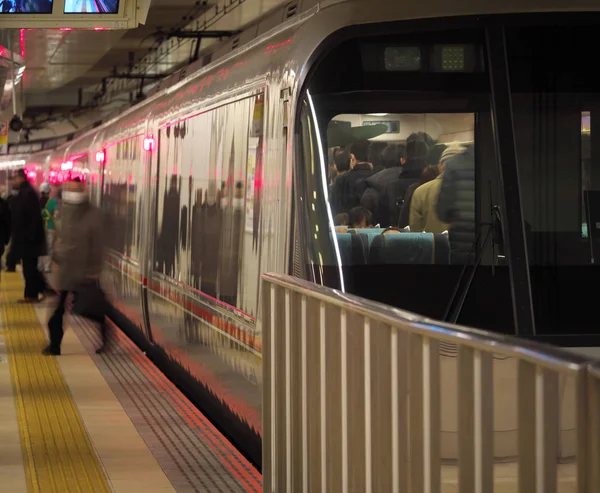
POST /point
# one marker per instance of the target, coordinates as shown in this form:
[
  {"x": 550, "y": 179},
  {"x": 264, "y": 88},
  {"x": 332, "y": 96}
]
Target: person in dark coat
[
  {"x": 28, "y": 236},
  {"x": 456, "y": 205},
  {"x": 391, "y": 158},
  {"x": 348, "y": 188},
  {"x": 429, "y": 173},
  {"x": 389, "y": 189},
  {"x": 5, "y": 225},
  {"x": 11, "y": 257}
]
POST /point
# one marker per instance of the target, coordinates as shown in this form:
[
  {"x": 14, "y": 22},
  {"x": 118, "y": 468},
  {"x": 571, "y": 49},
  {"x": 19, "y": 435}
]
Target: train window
[
  {"x": 208, "y": 204},
  {"x": 398, "y": 192},
  {"x": 555, "y": 100},
  {"x": 121, "y": 199},
  {"x": 401, "y": 214}
]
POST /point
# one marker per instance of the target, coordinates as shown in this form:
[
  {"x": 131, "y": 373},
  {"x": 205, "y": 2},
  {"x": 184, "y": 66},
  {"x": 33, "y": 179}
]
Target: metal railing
[{"x": 353, "y": 401}]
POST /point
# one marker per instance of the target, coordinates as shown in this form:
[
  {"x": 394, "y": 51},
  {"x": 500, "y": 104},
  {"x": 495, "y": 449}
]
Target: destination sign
[{"x": 73, "y": 14}]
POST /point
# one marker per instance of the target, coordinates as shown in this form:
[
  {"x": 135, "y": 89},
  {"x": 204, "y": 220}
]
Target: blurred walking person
[
  {"x": 79, "y": 255},
  {"x": 28, "y": 238}
]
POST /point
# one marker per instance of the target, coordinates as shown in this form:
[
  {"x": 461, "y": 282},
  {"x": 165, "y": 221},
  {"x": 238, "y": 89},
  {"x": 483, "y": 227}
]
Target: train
[{"x": 224, "y": 173}]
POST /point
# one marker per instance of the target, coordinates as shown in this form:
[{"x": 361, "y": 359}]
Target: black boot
[{"x": 50, "y": 351}]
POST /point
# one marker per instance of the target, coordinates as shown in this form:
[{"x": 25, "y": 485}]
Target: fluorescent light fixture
[
  {"x": 377, "y": 114},
  {"x": 19, "y": 162}
]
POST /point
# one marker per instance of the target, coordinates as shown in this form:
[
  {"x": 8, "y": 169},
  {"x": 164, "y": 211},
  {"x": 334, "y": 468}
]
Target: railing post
[
  {"x": 304, "y": 363},
  {"x": 269, "y": 388},
  {"x": 475, "y": 421},
  {"x": 588, "y": 431},
  {"x": 538, "y": 428},
  {"x": 425, "y": 415}
]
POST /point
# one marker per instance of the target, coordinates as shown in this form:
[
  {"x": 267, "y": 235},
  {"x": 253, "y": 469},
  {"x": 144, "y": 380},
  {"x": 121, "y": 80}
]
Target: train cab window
[
  {"x": 555, "y": 97},
  {"x": 387, "y": 175},
  {"x": 400, "y": 177}
]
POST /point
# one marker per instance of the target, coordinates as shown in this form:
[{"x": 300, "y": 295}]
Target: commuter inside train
[
  {"x": 376, "y": 149},
  {"x": 360, "y": 218},
  {"x": 389, "y": 189},
  {"x": 456, "y": 204},
  {"x": 423, "y": 214},
  {"x": 391, "y": 159},
  {"x": 332, "y": 172},
  {"x": 342, "y": 219},
  {"x": 348, "y": 187},
  {"x": 431, "y": 172},
  {"x": 341, "y": 163}
]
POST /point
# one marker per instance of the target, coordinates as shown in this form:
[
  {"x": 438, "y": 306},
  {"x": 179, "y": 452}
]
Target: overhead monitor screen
[
  {"x": 91, "y": 6},
  {"x": 26, "y": 6}
]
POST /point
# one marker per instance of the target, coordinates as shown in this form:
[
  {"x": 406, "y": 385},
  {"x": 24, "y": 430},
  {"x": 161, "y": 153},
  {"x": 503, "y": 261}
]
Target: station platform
[{"x": 83, "y": 422}]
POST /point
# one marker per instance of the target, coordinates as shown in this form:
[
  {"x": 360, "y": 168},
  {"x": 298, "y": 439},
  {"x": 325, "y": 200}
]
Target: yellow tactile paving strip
[{"x": 57, "y": 451}]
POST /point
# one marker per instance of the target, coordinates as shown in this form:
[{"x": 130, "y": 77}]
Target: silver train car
[{"x": 224, "y": 174}]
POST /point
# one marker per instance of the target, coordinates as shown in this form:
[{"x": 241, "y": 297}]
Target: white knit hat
[{"x": 452, "y": 149}]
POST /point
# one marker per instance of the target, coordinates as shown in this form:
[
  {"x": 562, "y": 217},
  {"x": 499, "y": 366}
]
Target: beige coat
[
  {"x": 423, "y": 215},
  {"x": 80, "y": 249}
]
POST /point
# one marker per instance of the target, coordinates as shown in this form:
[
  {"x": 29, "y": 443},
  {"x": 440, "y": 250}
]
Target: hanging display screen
[
  {"x": 91, "y": 6},
  {"x": 25, "y": 6}
]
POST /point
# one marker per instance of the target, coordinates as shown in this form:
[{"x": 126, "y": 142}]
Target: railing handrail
[{"x": 542, "y": 354}]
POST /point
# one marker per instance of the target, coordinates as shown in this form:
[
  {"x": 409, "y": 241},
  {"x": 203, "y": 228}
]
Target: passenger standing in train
[
  {"x": 413, "y": 164},
  {"x": 429, "y": 173},
  {"x": 49, "y": 210},
  {"x": 28, "y": 238},
  {"x": 391, "y": 159},
  {"x": 376, "y": 149},
  {"x": 423, "y": 214},
  {"x": 349, "y": 186},
  {"x": 456, "y": 204},
  {"x": 80, "y": 255},
  {"x": 341, "y": 160}
]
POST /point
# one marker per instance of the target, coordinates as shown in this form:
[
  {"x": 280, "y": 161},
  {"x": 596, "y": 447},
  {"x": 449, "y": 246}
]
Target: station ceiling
[{"x": 60, "y": 63}]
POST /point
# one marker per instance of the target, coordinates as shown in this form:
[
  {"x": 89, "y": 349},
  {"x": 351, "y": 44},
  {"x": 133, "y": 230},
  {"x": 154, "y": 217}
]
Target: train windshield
[{"x": 401, "y": 175}]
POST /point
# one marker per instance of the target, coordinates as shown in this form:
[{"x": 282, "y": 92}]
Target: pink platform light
[{"x": 149, "y": 144}]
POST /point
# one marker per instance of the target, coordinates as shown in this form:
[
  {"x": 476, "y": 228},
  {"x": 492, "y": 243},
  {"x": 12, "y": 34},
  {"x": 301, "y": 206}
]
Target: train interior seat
[{"x": 360, "y": 247}]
